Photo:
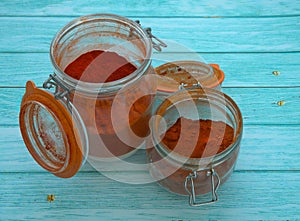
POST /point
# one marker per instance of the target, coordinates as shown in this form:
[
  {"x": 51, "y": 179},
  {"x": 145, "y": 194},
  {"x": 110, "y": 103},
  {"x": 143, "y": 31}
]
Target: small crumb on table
[{"x": 50, "y": 197}]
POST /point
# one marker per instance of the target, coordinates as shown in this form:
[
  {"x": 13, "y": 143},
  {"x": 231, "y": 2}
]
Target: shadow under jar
[
  {"x": 113, "y": 113},
  {"x": 180, "y": 168}
]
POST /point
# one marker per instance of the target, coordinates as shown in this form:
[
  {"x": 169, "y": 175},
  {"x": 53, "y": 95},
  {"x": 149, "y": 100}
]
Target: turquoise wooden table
[{"x": 249, "y": 39}]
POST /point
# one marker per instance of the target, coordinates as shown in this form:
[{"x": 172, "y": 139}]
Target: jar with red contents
[
  {"x": 100, "y": 95},
  {"x": 196, "y": 135}
]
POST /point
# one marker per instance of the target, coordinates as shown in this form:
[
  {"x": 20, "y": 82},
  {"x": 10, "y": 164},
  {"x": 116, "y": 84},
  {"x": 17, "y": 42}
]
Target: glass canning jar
[
  {"x": 186, "y": 175},
  {"x": 101, "y": 120}
]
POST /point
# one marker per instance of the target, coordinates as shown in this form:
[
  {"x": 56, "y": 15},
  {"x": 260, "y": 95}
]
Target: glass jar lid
[
  {"x": 188, "y": 73},
  {"x": 53, "y": 132}
]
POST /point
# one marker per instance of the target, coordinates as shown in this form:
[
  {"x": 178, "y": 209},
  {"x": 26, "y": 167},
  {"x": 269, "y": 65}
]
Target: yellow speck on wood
[
  {"x": 50, "y": 198},
  {"x": 276, "y": 73},
  {"x": 280, "y": 103}
]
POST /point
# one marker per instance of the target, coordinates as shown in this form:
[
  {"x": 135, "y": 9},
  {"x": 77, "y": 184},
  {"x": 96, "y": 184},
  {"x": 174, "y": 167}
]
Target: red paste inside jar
[
  {"x": 199, "y": 138},
  {"x": 211, "y": 138},
  {"x": 99, "y": 67}
]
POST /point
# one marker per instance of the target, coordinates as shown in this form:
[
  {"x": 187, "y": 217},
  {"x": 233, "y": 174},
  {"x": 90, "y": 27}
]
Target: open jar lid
[
  {"x": 188, "y": 73},
  {"x": 53, "y": 132}
]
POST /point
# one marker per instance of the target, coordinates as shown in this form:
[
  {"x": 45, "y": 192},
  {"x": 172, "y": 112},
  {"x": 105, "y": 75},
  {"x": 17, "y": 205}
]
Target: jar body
[
  {"x": 116, "y": 110},
  {"x": 175, "y": 182},
  {"x": 174, "y": 171},
  {"x": 118, "y": 123}
]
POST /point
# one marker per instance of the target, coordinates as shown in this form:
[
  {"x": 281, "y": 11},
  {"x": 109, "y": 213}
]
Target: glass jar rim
[
  {"x": 204, "y": 162},
  {"x": 96, "y": 88}
]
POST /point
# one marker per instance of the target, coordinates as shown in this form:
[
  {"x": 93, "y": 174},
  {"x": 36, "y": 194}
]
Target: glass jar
[
  {"x": 101, "y": 120},
  {"x": 180, "y": 173},
  {"x": 186, "y": 73}
]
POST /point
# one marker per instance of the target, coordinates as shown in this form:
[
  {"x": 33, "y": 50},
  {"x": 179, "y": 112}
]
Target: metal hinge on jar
[
  {"x": 157, "y": 44},
  {"x": 60, "y": 90},
  {"x": 187, "y": 86}
]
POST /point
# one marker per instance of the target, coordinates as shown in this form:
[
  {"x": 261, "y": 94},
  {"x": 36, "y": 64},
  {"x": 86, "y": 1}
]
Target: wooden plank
[
  {"x": 263, "y": 148},
  {"x": 258, "y": 105},
  {"x": 150, "y": 8},
  {"x": 245, "y": 196},
  {"x": 248, "y": 70},
  {"x": 265, "y": 183},
  {"x": 198, "y": 34}
]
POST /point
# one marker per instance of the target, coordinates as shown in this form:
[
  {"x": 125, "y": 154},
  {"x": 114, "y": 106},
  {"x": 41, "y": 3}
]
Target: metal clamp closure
[
  {"x": 184, "y": 86},
  {"x": 214, "y": 187},
  {"x": 61, "y": 91},
  {"x": 157, "y": 44}
]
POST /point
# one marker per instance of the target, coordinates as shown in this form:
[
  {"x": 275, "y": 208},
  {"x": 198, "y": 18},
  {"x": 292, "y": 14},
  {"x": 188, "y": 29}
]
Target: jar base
[{"x": 165, "y": 183}]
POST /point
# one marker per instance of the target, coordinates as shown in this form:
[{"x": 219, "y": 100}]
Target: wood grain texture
[
  {"x": 198, "y": 34},
  {"x": 249, "y": 39},
  {"x": 245, "y": 196},
  {"x": 263, "y": 148},
  {"x": 258, "y": 105},
  {"x": 153, "y": 8},
  {"x": 248, "y": 70},
  {"x": 172, "y": 8}
]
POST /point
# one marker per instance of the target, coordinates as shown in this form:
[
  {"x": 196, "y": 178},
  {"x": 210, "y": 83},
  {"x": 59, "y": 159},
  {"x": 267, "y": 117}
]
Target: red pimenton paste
[
  {"x": 101, "y": 67},
  {"x": 199, "y": 138},
  {"x": 196, "y": 139}
]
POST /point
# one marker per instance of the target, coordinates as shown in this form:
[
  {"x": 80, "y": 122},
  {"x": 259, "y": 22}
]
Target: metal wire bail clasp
[
  {"x": 192, "y": 195},
  {"x": 60, "y": 91},
  {"x": 157, "y": 44},
  {"x": 185, "y": 86}
]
